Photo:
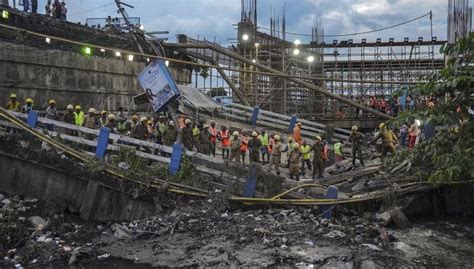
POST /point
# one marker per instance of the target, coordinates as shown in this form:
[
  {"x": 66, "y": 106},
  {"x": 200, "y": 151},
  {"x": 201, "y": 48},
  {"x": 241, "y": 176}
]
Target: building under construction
[{"x": 353, "y": 67}]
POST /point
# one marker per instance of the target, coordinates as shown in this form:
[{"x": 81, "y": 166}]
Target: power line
[
  {"x": 352, "y": 34},
  {"x": 89, "y": 10}
]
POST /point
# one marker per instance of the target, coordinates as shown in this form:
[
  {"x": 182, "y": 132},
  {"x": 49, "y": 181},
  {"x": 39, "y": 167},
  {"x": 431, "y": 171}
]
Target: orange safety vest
[
  {"x": 225, "y": 138},
  {"x": 213, "y": 132},
  {"x": 270, "y": 147},
  {"x": 297, "y": 134},
  {"x": 244, "y": 145}
]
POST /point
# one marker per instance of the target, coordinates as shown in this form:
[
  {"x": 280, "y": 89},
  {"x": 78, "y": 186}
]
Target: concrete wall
[
  {"x": 93, "y": 199},
  {"x": 69, "y": 78}
]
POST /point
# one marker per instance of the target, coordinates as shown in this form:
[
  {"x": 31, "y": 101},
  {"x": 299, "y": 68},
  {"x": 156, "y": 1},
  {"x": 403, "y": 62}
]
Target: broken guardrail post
[
  {"x": 253, "y": 119},
  {"x": 32, "y": 119},
  {"x": 331, "y": 193},
  {"x": 251, "y": 183},
  {"x": 292, "y": 124},
  {"x": 175, "y": 161},
  {"x": 102, "y": 143}
]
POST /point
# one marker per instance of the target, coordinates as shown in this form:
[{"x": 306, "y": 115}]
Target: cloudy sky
[{"x": 215, "y": 18}]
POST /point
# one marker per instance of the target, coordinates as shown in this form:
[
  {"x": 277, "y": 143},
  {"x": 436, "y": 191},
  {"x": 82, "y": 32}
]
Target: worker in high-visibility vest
[
  {"x": 305, "y": 150},
  {"x": 338, "y": 156},
  {"x": 224, "y": 136},
  {"x": 389, "y": 139},
  {"x": 13, "y": 104},
  {"x": 265, "y": 143},
  {"x": 297, "y": 133},
  {"x": 213, "y": 138},
  {"x": 78, "y": 116}
]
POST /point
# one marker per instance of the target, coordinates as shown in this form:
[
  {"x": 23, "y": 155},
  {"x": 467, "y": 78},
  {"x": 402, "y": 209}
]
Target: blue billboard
[{"x": 159, "y": 86}]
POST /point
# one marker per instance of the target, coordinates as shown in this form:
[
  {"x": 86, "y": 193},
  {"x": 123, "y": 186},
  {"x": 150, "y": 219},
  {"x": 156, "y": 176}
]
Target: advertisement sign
[{"x": 158, "y": 85}]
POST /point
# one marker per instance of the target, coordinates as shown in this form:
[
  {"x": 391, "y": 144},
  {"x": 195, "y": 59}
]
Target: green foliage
[
  {"x": 449, "y": 156},
  {"x": 188, "y": 174}
]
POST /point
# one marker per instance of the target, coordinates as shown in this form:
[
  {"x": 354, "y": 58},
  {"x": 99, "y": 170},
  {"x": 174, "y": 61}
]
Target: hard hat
[
  {"x": 52, "y": 102},
  {"x": 277, "y": 137},
  {"x": 254, "y": 133},
  {"x": 187, "y": 121},
  {"x": 213, "y": 121},
  {"x": 319, "y": 137},
  {"x": 77, "y": 107},
  {"x": 235, "y": 133},
  {"x": 135, "y": 117},
  {"x": 111, "y": 117},
  {"x": 29, "y": 100},
  {"x": 150, "y": 122},
  {"x": 171, "y": 123},
  {"x": 355, "y": 128},
  {"x": 299, "y": 124},
  {"x": 103, "y": 112},
  {"x": 162, "y": 117},
  {"x": 205, "y": 126},
  {"x": 92, "y": 110},
  {"x": 12, "y": 95},
  {"x": 142, "y": 119},
  {"x": 290, "y": 138},
  {"x": 296, "y": 145},
  {"x": 382, "y": 125},
  {"x": 69, "y": 107}
]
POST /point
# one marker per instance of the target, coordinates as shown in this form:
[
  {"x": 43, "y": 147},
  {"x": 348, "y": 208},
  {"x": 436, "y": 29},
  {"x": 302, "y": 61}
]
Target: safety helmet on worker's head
[
  {"x": 29, "y": 101},
  {"x": 205, "y": 126},
  {"x": 318, "y": 137},
  {"x": 171, "y": 123},
  {"x": 111, "y": 117},
  {"x": 254, "y": 134},
  {"x": 213, "y": 121},
  {"x": 299, "y": 124},
  {"x": 77, "y": 107},
  {"x": 13, "y": 95},
  {"x": 382, "y": 126},
  {"x": 187, "y": 121},
  {"x": 69, "y": 107},
  {"x": 135, "y": 117},
  {"x": 52, "y": 102},
  {"x": 290, "y": 139},
  {"x": 162, "y": 117},
  {"x": 355, "y": 128},
  {"x": 92, "y": 110},
  {"x": 235, "y": 133},
  {"x": 276, "y": 137},
  {"x": 296, "y": 145},
  {"x": 103, "y": 112},
  {"x": 143, "y": 119},
  {"x": 149, "y": 122}
]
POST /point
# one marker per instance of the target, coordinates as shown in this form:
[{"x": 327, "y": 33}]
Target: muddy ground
[{"x": 205, "y": 233}]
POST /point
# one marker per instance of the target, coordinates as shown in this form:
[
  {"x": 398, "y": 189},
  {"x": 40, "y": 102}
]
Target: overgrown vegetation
[{"x": 449, "y": 156}]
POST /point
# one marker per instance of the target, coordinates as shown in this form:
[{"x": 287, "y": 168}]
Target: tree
[{"x": 449, "y": 156}]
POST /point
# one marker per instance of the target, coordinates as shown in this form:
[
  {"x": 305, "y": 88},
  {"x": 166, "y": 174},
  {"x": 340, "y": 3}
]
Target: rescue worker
[
  {"x": 356, "y": 139},
  {"x": 204, "y": 141},
  {"x": 160, "y": 129},
  {"x": 121, "y": 114},
  {"x": 196, "y": 132},
  {"x": 90, "y": 120},
  {"x": 244, "y": 143},
  {"x": 28, "y": 106},
  {"x": 103, "y": 118},
  {"x": 135, "y": 122},
  {"x": 188, "y": 139},
  {"x": 150, "y": 130},
  {"x": 235, "y": 147},
  {"x": 338, "y": 156},
  {"x": 13, "y": 104},
  {"x": 254, "y": 147},
  {"x": 289, "y": 148},
  {"x": 305, "y": 150},
  {"x": 68, "y": 116},
  {"x": 297, "y": 133},
  {"x": 111, "y": 123},
  {"x": 389, "y": 139},
  {"x": 51, "y": 111},
  {"x": 78, "y": 116},
  {"x": 140, "y": 131},
  {"x": 224, "y": 136},
  {"x": 412, "y": 133},
  {"x": 122, "y": 125},
  {"x": 277, "y": 150},
  {"x": 319, "y": 157},
  {"x": 170, "y": 134},
  {"x": 213, "y": 138},
  {"x": 295, "y": 155},
  {"x": 265, "y": 143}
]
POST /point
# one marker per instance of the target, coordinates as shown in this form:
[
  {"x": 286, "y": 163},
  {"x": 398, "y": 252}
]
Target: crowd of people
[
  {"x": 56, "y": 9},
  {"x": 241, "y": 146}
]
